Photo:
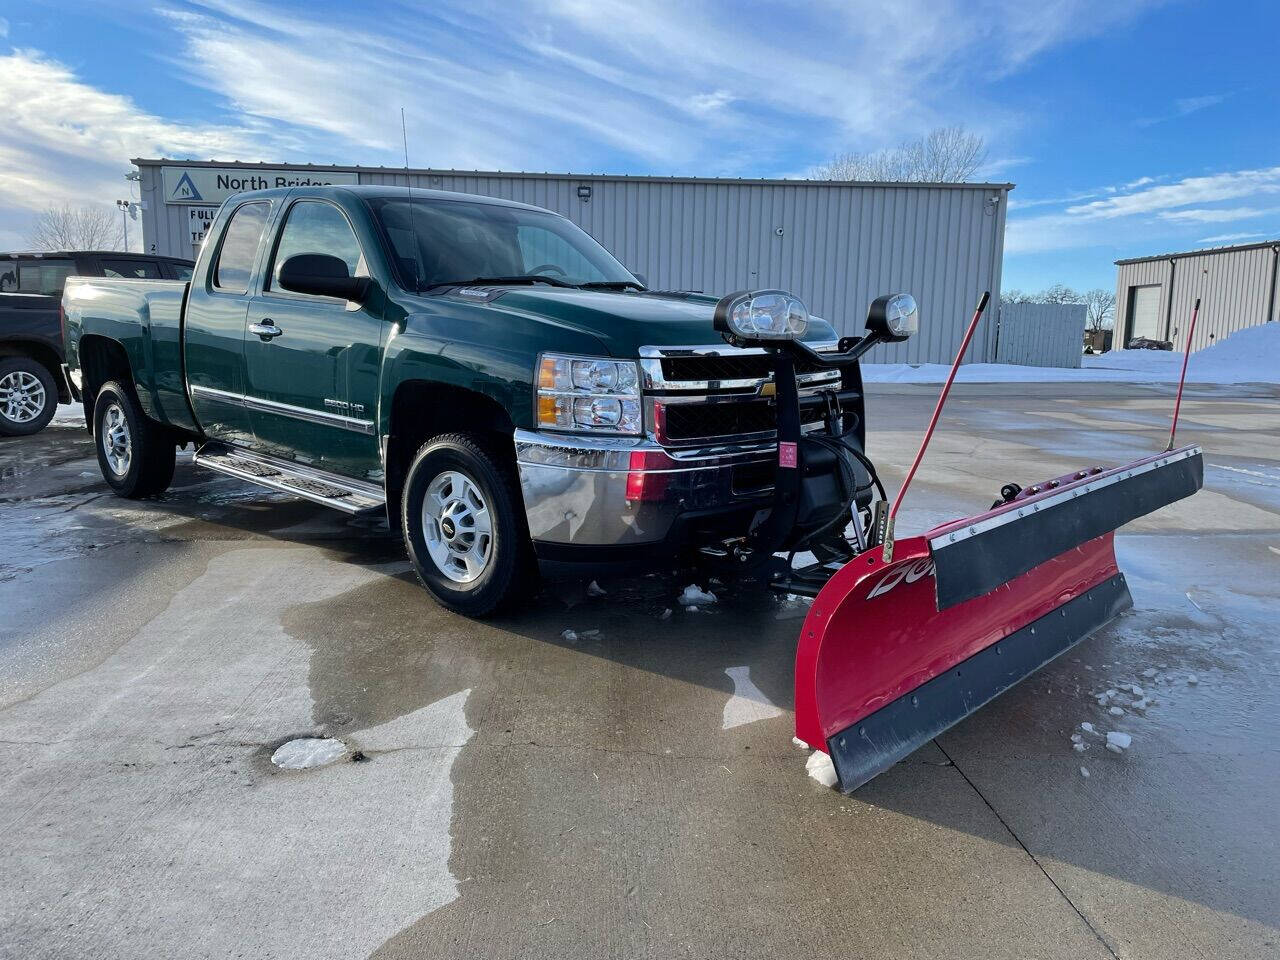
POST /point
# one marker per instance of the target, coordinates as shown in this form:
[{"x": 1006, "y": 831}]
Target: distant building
[
  {"x": 838, "y": 245},
  {"x": 1237, "y": 287}
]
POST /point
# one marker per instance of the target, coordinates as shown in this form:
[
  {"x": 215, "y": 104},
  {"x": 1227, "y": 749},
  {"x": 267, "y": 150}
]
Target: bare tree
[
  {"x": 1058, "y": 294},
  {"x": 1101, "y": 307},
  {"x": 1016, "y": 296},
  {"x": 77, "y": 228},
  {"x": 945, "y": 155}
]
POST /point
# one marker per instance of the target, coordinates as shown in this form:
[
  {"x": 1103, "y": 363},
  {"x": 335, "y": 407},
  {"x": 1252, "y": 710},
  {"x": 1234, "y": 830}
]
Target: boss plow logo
[{"x": 906, "y": 573}]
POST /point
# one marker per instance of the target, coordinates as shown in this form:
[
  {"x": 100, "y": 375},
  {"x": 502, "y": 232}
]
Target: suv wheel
[
  {"x": 463, "y": 524},
  {"x": 136, "y": 455},
  {"x": 28, "y": 397}
]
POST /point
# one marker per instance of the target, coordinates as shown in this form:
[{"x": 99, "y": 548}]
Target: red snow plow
[{"x": 906, "y": 638}]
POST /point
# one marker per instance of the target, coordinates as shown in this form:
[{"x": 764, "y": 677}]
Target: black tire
[
  {"x": 34, "y": 395},
  {"x": 507, "y": 573},
  {"x": 137, "y": 462}
]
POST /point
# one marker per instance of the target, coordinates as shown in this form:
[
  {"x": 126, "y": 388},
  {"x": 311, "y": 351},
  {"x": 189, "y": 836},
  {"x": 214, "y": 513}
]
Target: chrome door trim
[{"x": 354, "y": 424}]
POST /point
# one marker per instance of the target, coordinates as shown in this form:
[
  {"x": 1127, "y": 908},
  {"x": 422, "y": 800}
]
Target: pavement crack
[{"x": 1034, "y": 859}]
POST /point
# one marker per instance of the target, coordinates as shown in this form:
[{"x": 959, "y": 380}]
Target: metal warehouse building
[
  {"x": 1237, "y": 287},
  {"x": 837, "y": 245}
]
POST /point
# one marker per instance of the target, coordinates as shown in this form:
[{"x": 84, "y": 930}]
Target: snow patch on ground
[
  {"x": 796, "y": 741},
  {"x": 1117, "y": 741},
  {"x": 1251, "y": 355},
  {"x": 820, "y": 768},
  {"x": 306, "y": 753},
  {"x": 748, "y": 703},
  {"x": 693, "y": 595}
]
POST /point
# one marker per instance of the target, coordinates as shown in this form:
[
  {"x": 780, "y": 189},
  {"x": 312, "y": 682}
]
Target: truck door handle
[{"x": 267, "y": 329}]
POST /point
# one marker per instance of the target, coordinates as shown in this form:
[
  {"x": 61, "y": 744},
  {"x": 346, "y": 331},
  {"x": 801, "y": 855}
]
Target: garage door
[{"x": 1144, "y": 313}]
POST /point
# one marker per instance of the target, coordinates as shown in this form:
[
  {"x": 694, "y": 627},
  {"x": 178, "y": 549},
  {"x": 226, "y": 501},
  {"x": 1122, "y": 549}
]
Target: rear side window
[
  {"x": 180, "y": 271},
  {"x": 240, "y": 247},
  {"x": 45, "y": 275},
  {"x": 317, "y": 227},
  {"x": 131, "y": 269}
]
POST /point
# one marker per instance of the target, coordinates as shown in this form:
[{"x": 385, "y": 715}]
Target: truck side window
[
  {"x": 43, "y": 275},
  {"x": 131, "y": 269},
  {"x": 239, "y": 248},
  {"x": 313, "y": 226}
]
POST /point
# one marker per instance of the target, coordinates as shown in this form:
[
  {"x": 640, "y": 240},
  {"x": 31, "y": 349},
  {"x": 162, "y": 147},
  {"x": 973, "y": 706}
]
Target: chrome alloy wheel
[
  {"x": 117, "y": 445},
  {"x": 22, "y": 396},
  {"x": 457, "y": 527}
]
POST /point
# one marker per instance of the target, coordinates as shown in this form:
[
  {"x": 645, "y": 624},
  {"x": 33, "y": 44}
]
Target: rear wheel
[
  {"x": 28, "y": 397},
  {"x": 463, "y": 525},
  {"x": 136, "y": 455}
]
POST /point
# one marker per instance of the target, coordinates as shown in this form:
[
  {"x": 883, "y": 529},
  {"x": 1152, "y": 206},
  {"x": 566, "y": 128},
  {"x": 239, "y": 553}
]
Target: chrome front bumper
[{"x": 612, "y": 491}]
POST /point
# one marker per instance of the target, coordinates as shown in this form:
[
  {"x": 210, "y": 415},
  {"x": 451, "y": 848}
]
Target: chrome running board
[{"x": 320, "y": 486}]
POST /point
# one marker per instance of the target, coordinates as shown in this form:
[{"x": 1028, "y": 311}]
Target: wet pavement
[{"x": 508, "y": 790}]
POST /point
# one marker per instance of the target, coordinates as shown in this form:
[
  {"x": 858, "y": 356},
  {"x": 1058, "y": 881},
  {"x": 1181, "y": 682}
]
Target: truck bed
[{"x": 145, "y": 316}]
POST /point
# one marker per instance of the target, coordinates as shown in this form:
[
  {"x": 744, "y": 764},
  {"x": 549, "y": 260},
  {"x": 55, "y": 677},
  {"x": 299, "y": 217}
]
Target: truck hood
[{"x": 623, "y": 321}]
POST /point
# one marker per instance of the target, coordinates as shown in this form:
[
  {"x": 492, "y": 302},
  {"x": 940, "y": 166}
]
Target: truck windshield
[{"x": 442, "y": 241}]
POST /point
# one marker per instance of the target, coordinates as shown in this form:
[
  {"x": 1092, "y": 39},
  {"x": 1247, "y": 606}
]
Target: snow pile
[
  {"x": 1251, "y": 355},
  {"x": 694, "y": 595},
  {"x": 308, "y": 752},
  {"x": 1118, "y": 742},
  {"x": 821, "y": 768}
]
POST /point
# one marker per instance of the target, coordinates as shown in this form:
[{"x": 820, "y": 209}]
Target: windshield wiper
[
  {"x": 611, "y": 285},
  {"x": 501, "y": 281}
]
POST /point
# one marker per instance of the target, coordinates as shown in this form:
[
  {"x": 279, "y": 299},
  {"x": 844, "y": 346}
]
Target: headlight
[
  {"x": 588, "y": 394},
  {"x": 753, "y": 316}
]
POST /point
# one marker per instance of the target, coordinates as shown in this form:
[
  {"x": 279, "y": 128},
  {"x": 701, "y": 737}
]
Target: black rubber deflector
[
  {"x": 978, "y": 564},
  {"x": 877, "y": 742}
]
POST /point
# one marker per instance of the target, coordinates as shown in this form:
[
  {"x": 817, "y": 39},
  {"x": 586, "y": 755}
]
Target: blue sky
[{"x": 1129, "y": 128}]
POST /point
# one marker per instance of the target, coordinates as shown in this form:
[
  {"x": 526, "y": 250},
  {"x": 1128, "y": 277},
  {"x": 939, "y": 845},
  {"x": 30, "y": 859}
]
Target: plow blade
[
  {"x": 974, "y": 556},
  {"x": 892, "y": 654}
]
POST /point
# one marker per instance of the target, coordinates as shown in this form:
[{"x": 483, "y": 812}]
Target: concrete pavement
[{"x": 512, "y": 793}]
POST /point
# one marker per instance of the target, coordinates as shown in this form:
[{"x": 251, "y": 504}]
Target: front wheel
[
  {"x": 463, "y": 525},
  {"x": 135, "y": 454},
  {"x": 28, "y": 397}
]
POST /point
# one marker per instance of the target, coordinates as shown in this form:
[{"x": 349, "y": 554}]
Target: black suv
[{"x": 31, "y": 355}]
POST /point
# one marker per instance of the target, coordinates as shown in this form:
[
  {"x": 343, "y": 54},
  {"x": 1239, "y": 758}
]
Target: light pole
[{"x": 125, "y": 209}]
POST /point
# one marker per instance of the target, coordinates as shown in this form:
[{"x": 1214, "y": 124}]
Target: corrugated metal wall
[
  {"x": 1235, "y": 288},
  {"x": 1041, "y": 334},
  {"x": 838, "y": 246}
]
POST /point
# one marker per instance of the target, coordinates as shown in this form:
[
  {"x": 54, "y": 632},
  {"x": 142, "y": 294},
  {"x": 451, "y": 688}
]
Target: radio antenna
[{"x": 413, "y": 222}]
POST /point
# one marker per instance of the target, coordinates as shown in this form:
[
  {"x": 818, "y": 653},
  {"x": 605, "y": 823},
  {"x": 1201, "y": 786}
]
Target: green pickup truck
[{"x": 483, "y": 371}]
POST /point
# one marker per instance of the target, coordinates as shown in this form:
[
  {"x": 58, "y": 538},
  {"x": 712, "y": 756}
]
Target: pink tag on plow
[{"x": 787, "y": 455}]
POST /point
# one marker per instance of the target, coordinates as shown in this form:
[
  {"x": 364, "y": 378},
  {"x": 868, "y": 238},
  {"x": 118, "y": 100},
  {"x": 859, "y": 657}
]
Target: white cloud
[
  {"x": 1232, "y": 237},
  {"x": 65, "y": 141},
  {"x": 1186, "y": 106},
  {"x": 1216, "y": 187},
  {"x": 1191, "y": 104},
  {"x": 1217, "y": 214},
  {"x": 1148, "y": 212}
]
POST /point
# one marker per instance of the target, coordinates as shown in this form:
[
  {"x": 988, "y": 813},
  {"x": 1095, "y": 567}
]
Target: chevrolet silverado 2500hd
[{"x": 482, "y": 370}]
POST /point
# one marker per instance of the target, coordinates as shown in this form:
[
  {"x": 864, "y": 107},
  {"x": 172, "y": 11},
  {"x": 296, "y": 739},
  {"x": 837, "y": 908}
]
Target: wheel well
[
  {"x": 421, "y": 410},
  {"x": 101, "y": 359},
  {"x": 42, "y": 354}
]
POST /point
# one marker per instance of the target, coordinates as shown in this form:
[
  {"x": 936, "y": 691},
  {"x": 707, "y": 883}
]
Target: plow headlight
[
  {"x": 588, "y": 394},
  {"x": 894, "y": 316},
  {"x": 753, "y": 316}
]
